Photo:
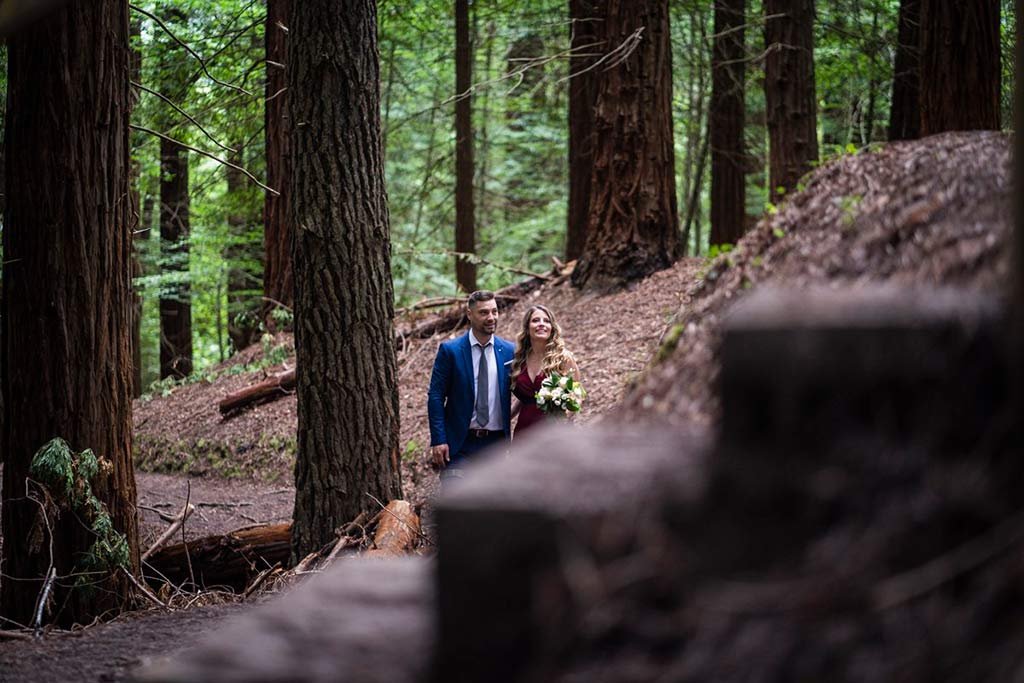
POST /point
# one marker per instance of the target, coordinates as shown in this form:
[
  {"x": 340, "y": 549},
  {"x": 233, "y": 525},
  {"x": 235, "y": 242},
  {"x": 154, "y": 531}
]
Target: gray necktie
[{"x": 482, "y": 389}]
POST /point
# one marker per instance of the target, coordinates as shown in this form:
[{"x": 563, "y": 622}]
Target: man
[{"x": 468, "y": 403}]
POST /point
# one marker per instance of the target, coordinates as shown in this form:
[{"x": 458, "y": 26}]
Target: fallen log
[
  {"x": 267, "y": 390},
  {"x": 233, "y": 559},
  {"x": 398, "y": 530}
]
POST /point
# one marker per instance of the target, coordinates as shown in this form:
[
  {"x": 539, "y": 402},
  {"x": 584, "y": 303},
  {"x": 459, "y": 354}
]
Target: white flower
[
  {"x": 563, "y": 381},
  {"x": 557, "y": 392}
]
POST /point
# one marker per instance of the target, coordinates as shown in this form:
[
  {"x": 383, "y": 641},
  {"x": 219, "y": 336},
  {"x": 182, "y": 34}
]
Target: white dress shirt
[{"x": 494, "y": 421}]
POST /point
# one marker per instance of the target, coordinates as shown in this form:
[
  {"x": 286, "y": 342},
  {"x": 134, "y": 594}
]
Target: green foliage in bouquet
[{"x": 560, "y": 393}]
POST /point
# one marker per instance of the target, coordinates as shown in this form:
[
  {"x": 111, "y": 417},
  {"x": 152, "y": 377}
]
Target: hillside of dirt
[{"x": 937, "y": 211}]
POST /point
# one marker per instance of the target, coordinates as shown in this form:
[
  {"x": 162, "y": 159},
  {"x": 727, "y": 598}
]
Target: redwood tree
[
  {"x": 465, "y": 225},
  {"x": 789, "y": 92},
  {"x": 960, "y": 65},
  {"x": 725, "y": 123},
  {"x": 633, "y": 227},
  {"x": 278, "y": 288},
  {"x": 242, "y": 258},
  {"x": 905, "y": 111},
  {"x": 176, "y": 293},
  {"x": 345, "y": 361},
  {"x": 583, "y": 34},
  {"x": 65, "y": 360}
]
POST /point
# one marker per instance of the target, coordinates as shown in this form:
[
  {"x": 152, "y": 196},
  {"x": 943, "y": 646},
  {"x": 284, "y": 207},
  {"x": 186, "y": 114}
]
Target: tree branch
[
  {"x": 208, "y": 155},
  {"x": 188, "y": 48}
]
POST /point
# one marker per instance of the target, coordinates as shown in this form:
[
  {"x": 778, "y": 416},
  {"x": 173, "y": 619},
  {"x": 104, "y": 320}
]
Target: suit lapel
[{"x": 467, "y": 360}]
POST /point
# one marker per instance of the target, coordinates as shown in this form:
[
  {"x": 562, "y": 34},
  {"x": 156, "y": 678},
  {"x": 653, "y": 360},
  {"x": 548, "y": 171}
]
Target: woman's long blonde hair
[{"x": 556, "y": 357}]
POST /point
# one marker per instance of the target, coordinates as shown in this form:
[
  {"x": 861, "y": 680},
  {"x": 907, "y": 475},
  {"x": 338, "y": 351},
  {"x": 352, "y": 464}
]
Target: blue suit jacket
[{"x": 450, "y": 399}]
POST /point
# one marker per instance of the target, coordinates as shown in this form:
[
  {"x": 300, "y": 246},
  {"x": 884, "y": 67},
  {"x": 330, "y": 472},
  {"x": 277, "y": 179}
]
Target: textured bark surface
[
  {"x": 725, "y": 123},
  {"x": 347, "y": 387},
  {"x": 960, "y": 65},
  {"x": 465, "y": 223},
  {"x": 278, "y": 280},
  {"x": 135, "y": 71},
  {"x": 789, "y": 93},
  {"x": 176, "y": 300},
  {"x": 633, "y": 227},
  {"x": 905, "y": 112},
  {"x": 66, "y": 314},
  {"x": 243, "y": 260},
  {"x": 584, "y": 33}
]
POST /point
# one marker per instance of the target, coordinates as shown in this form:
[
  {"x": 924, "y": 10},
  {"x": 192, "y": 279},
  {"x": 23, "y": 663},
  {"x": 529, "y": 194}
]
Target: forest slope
[
  {"x": 613, "y": 337},
  {"x": 936, "y": 211}
]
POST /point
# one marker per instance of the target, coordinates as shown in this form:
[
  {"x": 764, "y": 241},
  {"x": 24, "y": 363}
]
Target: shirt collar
[{"x": 474, "y": 342}]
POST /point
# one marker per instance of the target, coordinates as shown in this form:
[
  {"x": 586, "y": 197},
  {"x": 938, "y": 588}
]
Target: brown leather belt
[{"x": 484, "y": 433}]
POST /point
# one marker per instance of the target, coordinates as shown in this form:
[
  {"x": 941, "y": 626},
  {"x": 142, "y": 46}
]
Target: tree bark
[
  {"x": 242, "y": 258},
  {"x": 176, "y": 299},
  {"x": 633, "y": 226},
  {"x": 66, "y": 363},
  {"x": 725, "y": 123},
  {"x": 584, "y": 35},
  {"x": 278, "y": 278},
  {"x": 960, "y": 65},
  {"x": 905, "y": 112},
  {"x": 465, "y": 225},
  {"x": 344, "y": 299},
  {"x": 135, "y": 72},
  {"x": 789, "y": 93}
]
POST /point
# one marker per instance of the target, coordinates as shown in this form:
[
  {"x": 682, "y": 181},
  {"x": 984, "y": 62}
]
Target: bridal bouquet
[{"x": 560, "y": 393}]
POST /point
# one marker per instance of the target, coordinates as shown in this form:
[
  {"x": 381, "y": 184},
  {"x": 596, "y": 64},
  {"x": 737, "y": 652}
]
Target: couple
[{"x": 469, "y": 403}]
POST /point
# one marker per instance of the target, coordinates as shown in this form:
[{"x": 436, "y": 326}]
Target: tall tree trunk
[
  {"x": 1017, "y": 310},
  {"x": 176, "y": 299},
  {"x": 278, "y": 278},
  {"x": 520, "y": 186},
  {"x": 482, "y": 208},
  {"x": 725, "y": 123},
  {"x": 347, "y": 379},
  {"x": 66, "y": 312},
  {"x": 465, "y": 225},
  {"x": 905, "y": 112},
  {"x": 135, "y": 72},
  {"x": 176, "y": 293},
  {"x": 242, "y": 259},
  {"x": 584, "y": 35},
  {"x": 633, "y": 228},
  {"x": 960, "y": 65},
  {"x": 789, "y": 93}
]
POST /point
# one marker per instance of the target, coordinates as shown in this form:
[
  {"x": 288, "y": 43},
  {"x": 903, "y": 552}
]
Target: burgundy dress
[{"x": 525, "y": 390}]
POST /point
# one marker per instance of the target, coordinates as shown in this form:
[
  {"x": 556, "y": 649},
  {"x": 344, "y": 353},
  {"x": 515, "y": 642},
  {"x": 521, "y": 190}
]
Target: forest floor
[{"x": 932, "y": 212}]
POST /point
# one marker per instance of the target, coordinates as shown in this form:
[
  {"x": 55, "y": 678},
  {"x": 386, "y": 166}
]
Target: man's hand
[{"x": 440, "y": 455}]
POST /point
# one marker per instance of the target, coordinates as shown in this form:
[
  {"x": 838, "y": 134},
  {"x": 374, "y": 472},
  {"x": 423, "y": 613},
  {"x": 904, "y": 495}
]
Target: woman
[{"x": 539, "y": 352}]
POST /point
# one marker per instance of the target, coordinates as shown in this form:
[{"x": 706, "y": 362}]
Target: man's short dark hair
[{"x": 478, "y": 296}]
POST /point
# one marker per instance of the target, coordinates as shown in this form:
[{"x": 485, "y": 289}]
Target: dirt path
[
  {"x": 112, "y": 651},
  {"x": 221, "y": 504}
]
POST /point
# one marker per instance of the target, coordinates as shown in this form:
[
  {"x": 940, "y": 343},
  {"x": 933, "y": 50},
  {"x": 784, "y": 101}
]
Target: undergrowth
[{"x": 68, "y": 478}]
